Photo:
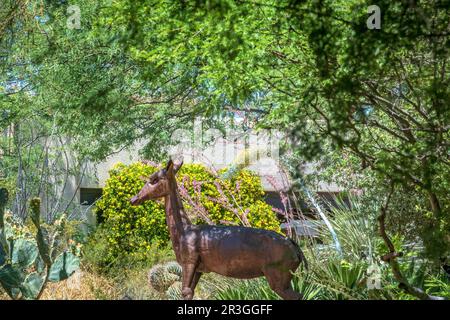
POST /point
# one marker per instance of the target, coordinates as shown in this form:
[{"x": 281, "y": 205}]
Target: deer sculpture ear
[
  {"x": 169, "y": 165},
  {"x": 177, "y": 166}
]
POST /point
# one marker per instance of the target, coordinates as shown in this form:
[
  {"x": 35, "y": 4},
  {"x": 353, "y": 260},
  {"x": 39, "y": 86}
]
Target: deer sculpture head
[{"x": 158, "y": 185}]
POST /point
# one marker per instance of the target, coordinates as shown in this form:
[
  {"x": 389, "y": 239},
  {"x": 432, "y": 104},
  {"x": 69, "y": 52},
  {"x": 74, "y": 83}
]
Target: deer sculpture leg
[
  {"x": 187, "y": 291},
  {"x": 280, "y": 282},
  {"x": 195, "y": 280}
]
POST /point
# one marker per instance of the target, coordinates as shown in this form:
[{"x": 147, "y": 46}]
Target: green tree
[{"x": 315, "y": 70}]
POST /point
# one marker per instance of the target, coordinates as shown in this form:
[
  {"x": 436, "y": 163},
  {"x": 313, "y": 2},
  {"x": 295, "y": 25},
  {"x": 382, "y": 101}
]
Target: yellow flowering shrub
[
  {"x": 259, "y": 217},
  {"x": 235, "y": 201},
  {"x": 245, "y": 187},
  {"x": 133, "y": 229},
  {"x": 130, "y": 228}
]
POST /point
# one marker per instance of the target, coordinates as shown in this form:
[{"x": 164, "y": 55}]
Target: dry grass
[
  {"x": 134, "y": 284},
  {"x": 82, "y": 285},
  {"x": 86, "y": 284}
]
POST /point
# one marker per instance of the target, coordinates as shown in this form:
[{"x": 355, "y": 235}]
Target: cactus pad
[{"x": 63, "y": 267}]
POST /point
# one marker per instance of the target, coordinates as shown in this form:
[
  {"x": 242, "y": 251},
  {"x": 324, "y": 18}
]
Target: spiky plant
[
  {"x": 259, "y": 289},
  {"x": 166, "y": 279},
  {"x": 27, "y": 264},
  {"x": 174, "y": 291}
]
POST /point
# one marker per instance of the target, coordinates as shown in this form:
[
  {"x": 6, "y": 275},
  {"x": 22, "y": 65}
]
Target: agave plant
[
  {"x": 345, "y": 276},
  {"x": 354, "y": 225},
  {"x": 259, "y": 289},
  {"x": 26, "y": 263},
  {"x": 438, "y": 286}
]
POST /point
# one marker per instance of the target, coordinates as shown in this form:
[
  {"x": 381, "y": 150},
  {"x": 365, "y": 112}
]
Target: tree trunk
[{"x": 392, "y": 255}]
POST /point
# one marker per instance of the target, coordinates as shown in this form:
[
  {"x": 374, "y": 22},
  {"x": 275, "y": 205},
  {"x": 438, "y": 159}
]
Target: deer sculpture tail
[{"x": 300, "y": 254}]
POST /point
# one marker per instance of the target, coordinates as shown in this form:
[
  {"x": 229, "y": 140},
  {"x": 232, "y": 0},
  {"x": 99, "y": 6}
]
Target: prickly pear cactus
[
  {"x": 27, "y": 264},
  {"x": 166, "y": 279}
]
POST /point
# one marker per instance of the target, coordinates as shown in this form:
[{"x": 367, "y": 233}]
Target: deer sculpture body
[{"x": 233, "y": 251}]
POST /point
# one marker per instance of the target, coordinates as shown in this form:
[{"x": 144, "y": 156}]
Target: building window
[{"x": 88, "y": 196}]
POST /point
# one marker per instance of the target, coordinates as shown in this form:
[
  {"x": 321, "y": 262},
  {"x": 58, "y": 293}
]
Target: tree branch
[{"x": 392, "y": 255}]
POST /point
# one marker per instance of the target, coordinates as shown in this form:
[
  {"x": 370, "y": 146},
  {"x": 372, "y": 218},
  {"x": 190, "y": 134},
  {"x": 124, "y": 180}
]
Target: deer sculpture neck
[{"x": 176, "y": 217}]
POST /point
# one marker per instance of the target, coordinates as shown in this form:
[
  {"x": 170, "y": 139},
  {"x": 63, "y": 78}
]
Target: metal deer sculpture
[{"x": 233, "y": 251}]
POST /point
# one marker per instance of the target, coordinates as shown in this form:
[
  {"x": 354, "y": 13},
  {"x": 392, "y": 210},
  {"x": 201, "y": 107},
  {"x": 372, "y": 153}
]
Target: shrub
[
  {"x": 238, "y": 200},
  {"x": 134, "y": 229},
  {"x": 130, "y": 229},
  {"x": 245, "y": 187},
  {"x": 97, "y": 255},
  {"x": 235, "y": 201}
]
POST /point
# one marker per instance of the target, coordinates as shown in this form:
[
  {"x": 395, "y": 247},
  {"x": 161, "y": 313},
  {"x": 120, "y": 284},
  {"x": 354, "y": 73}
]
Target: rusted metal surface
[{"x": 239, "y": 252}]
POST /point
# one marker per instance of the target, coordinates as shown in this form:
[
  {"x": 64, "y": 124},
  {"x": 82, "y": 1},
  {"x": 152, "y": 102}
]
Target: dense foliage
[
  {"x": 239, "y": 200},
  {"x": 314, "y": 70},
  {"x": 371, "y": 106},
  {"x": 347, "y": 277}
]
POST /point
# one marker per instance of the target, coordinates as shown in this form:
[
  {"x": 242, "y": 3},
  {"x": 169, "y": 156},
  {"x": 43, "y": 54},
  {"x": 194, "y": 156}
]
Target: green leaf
[{"x": 63, "y": 267}]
